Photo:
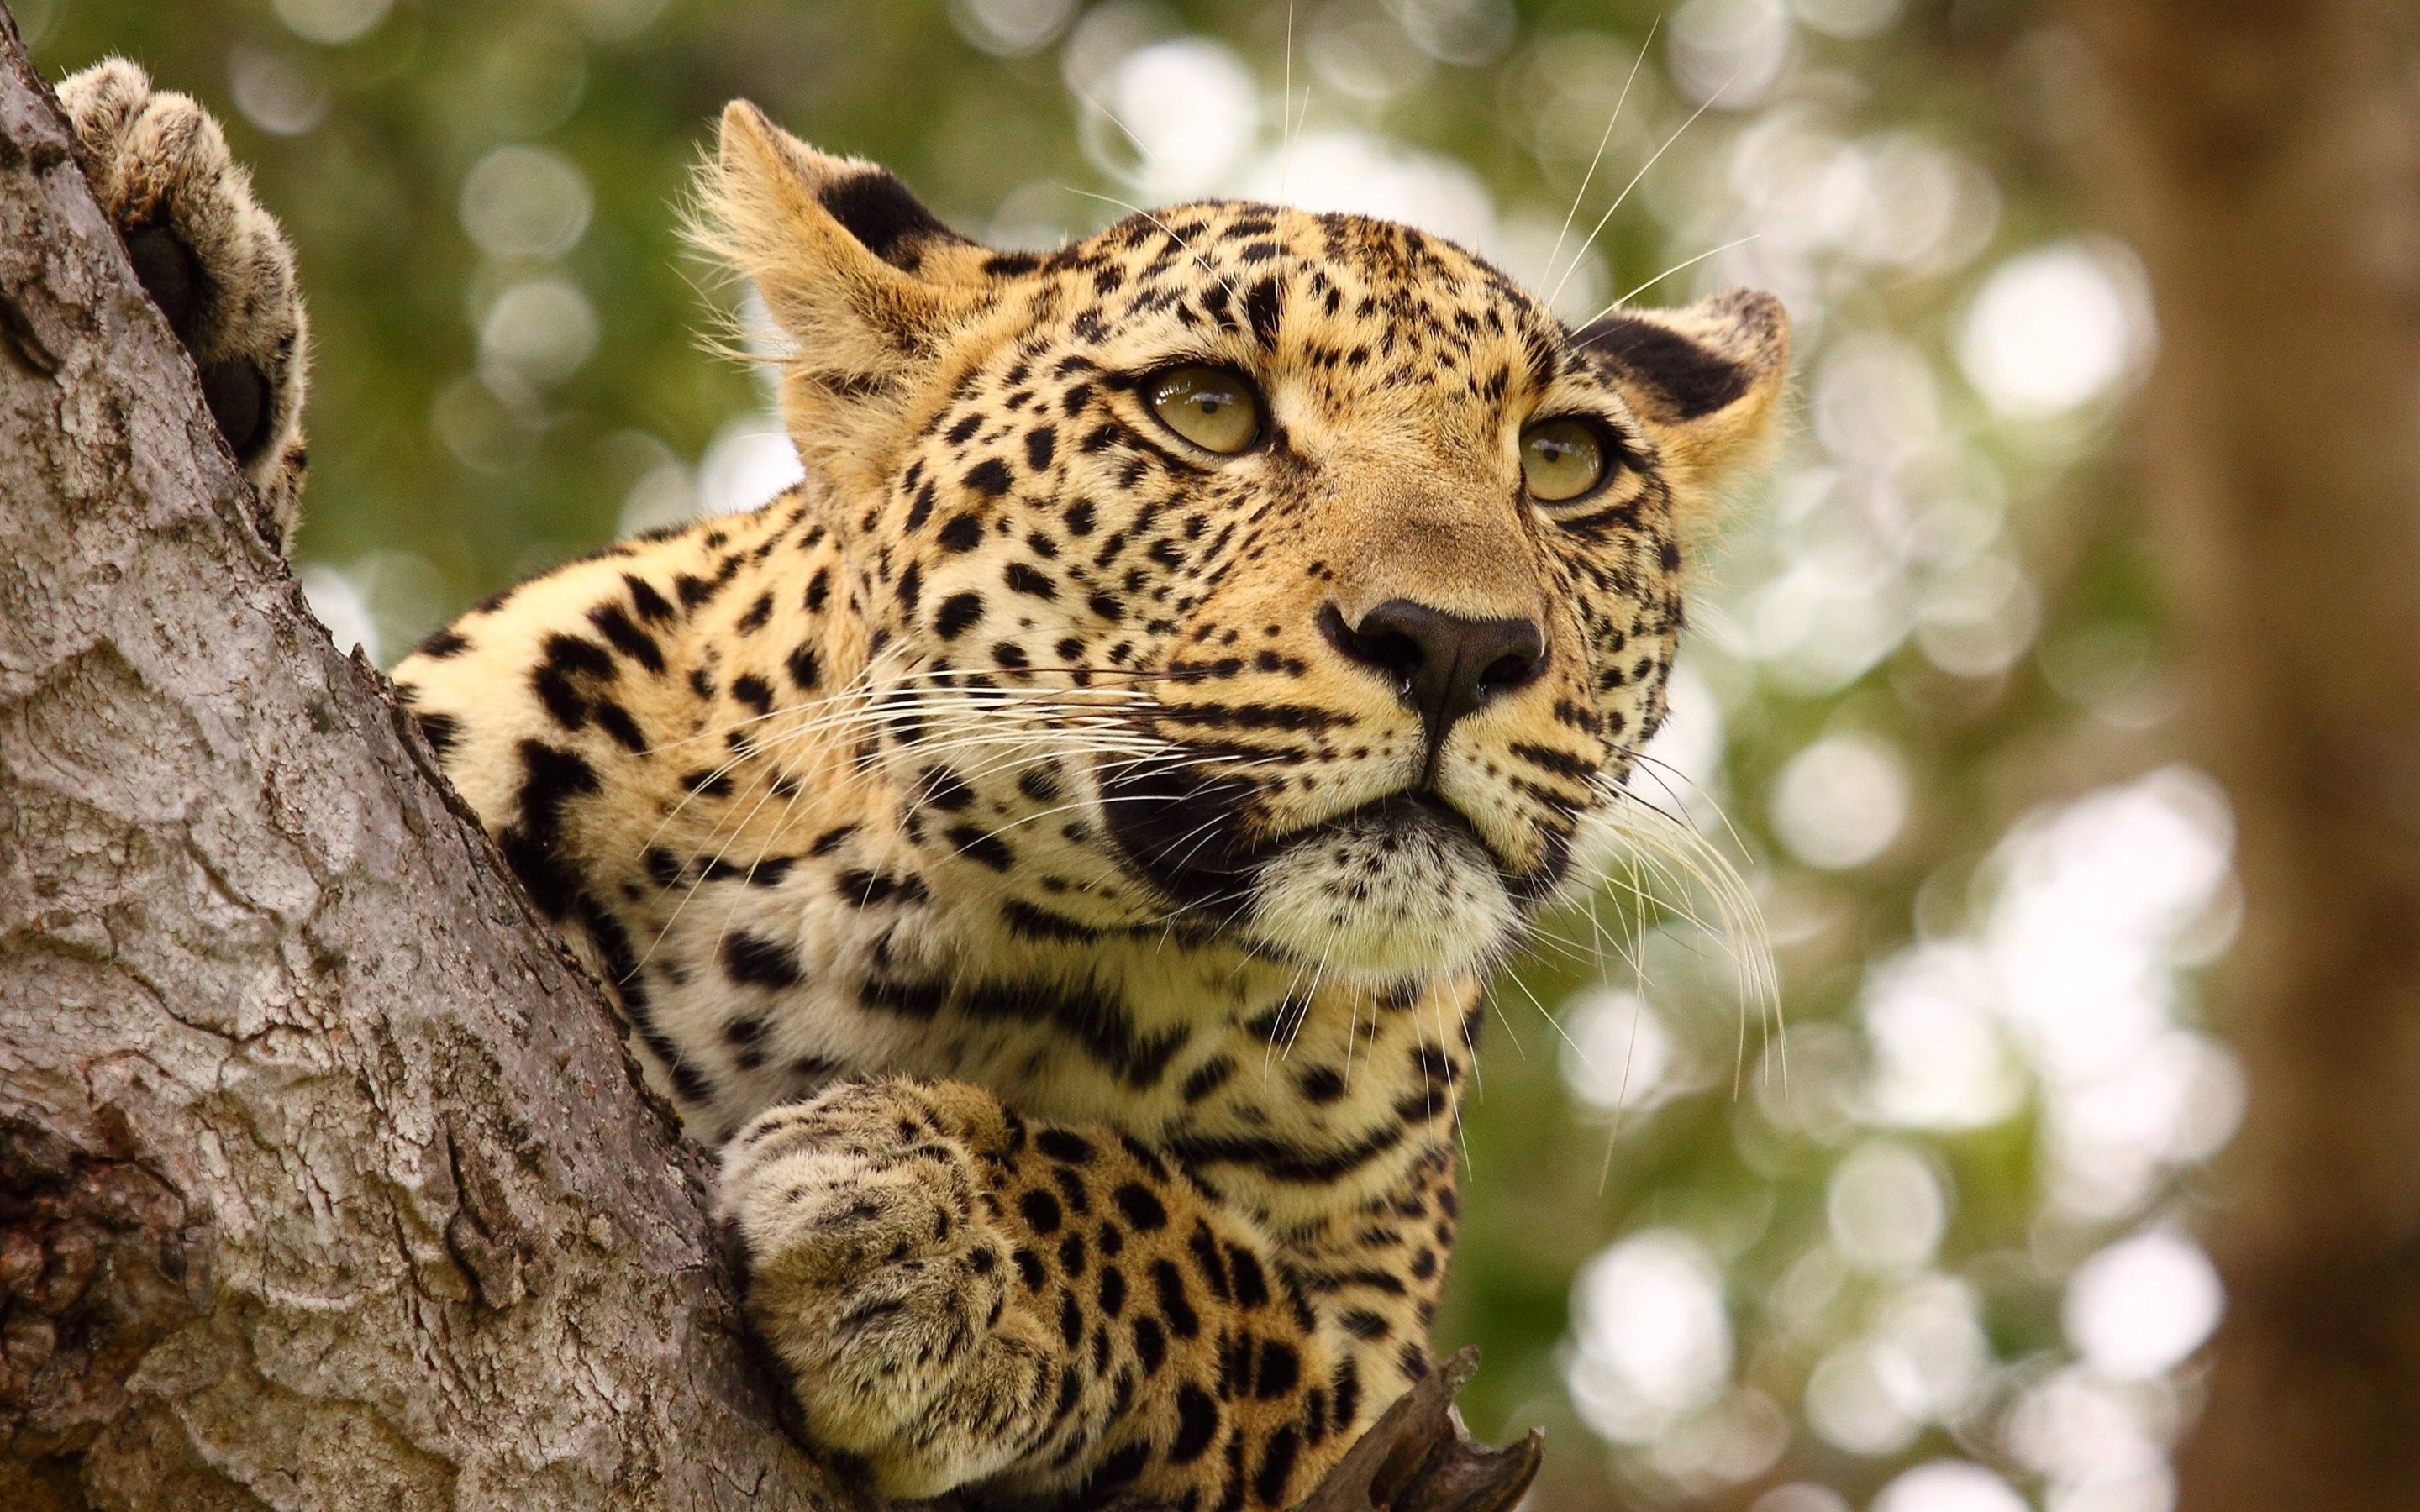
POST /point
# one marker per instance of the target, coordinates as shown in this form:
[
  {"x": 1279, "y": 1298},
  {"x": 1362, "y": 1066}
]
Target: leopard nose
[{"x": 1443, "y": 665}]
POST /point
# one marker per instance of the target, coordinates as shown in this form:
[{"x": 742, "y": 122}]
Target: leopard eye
[
  {"x": 1561, "y": 459},
  {"x": 1214, "y": 407}
]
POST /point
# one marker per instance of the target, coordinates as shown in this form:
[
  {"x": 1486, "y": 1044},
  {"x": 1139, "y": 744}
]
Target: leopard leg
[
  {"x": 215, "y": 262},
  {"x": 961, "y": 1296}
]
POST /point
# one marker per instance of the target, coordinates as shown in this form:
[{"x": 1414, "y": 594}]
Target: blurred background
[{"x": 1936, "y": 1250}]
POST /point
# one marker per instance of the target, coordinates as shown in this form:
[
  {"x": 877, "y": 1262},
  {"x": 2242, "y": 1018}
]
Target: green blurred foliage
[{"x": 1936, "y": 627}]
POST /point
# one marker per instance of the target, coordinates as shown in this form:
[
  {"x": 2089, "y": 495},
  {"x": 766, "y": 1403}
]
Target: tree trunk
[
  {"x": 324, "y": 1181},
  {"x": 2262, "y": 156}
]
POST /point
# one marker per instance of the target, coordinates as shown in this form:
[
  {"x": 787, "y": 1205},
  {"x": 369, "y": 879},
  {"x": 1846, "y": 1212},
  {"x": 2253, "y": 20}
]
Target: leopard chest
[{"x": 1304, "y": 1098}]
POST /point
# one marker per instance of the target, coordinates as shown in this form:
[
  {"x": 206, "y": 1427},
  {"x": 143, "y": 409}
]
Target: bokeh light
[
  {"x": 524, "y": 201},
  {"x": 2055, "y": 328},
  {"x": 1948, "y": 1486},
  {"x": 1654, "y": 1337},
  {"x": 2136, "y": 1309},
  {"x": 1617, "y": 1055},
  {"x": 1841, "y": 802},
  {"x": 333, "y": 22}
]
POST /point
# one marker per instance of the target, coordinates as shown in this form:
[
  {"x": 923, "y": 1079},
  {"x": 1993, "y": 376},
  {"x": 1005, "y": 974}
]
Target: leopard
[{"x": 1052, "y": 855}]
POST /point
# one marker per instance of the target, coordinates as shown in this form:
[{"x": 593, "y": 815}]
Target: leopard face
[{"x": 1341, "y": 689}]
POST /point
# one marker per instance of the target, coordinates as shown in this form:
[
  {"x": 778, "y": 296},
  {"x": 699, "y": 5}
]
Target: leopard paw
[
  {"x": 877, "y": 1277},
  {"x": 214, "y": 261}
]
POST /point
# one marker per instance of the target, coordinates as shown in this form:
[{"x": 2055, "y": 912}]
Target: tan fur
[{"x": 157, "y": 162}]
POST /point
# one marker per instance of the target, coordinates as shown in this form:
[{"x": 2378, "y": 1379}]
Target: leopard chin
[{"x": 1397, "y": 889}]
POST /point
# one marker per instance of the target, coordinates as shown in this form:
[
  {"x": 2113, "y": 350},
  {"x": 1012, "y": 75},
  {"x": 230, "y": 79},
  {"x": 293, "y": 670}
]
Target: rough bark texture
[
  {"x": 2261, "y": 155},
  {"x": 323, "y": 1182}
]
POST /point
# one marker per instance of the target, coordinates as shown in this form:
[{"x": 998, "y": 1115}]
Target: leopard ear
[
  {"x": 1707, "y": 381},
  {"x": 862, "y": 278}
]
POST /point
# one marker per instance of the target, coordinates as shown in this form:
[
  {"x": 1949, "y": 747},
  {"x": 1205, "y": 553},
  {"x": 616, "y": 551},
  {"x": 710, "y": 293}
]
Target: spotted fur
[{"x": 1017, "y": 851}]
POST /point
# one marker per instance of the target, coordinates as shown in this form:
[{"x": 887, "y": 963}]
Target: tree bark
[
  {"x": 324, "y": 1180},
  {"x": 2260, "y": 154}
]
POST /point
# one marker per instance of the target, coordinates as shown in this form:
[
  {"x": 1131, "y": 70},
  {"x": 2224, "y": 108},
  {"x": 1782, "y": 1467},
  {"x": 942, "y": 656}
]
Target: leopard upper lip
[
  {"x": 1402, "y": 812},
  {"x": 1193, "y": 851},
  {"x": 1411, "y": 804},
  {"x": 1402, "y": 809}
]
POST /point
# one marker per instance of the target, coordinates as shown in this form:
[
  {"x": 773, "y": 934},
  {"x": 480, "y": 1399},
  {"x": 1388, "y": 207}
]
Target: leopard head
[{"x": 1241, "y": 574}]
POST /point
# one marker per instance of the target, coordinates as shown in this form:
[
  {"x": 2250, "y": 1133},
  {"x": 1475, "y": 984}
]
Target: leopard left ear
[
  {"x": 1707, "y": 379},
  {"x": 861, "y": 277}
]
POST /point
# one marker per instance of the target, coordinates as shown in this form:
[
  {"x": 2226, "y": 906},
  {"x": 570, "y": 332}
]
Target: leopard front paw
[
  {"x": 214, "y": 261},
  {"x": 876, "y": 1274}
]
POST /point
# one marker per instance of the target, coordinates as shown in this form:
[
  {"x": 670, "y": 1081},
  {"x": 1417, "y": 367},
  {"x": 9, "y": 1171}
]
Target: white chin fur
[{"x": 1385, "y": 899}]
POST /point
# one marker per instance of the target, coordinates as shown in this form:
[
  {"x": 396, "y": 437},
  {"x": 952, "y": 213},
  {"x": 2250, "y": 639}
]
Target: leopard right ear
[
  {"x": 1707, "y": 381},
  {"x": 860, "y": 278}
]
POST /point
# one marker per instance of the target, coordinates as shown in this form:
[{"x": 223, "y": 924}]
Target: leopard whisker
[
  {"x": 723, "y": 933},
  {"x": 1086, "y": 96},
  {"x": 1453, "y": 1110},
  {"x": 1502, "y": 1017},
  {"x": 1137, "y": 209},
  {"x": 1656, "y": 837},
  {"x": 1580, "y": 195},
  {"x": 1300, "y": 1001},
  {"x": 862, "y": 687},
  {"x": 1599, "y": 229},
  {"x": 1286, "y": 113},
  {"x": 1676, "y": 268},
  {"x": 1033, "y": 723},
  {"x": 690, "y": 892},
  {"x": 695, "y": 789}
]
